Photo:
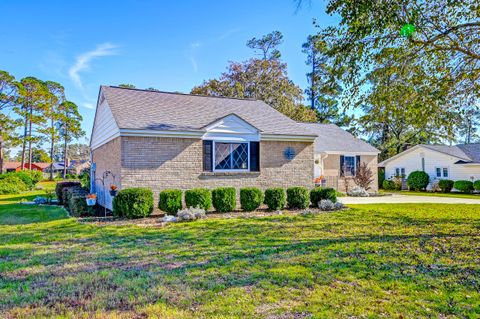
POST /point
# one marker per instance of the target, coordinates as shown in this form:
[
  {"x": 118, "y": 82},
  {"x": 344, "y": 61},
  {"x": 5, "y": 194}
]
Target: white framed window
[
  {"x": 231, "y": 156},
  {"x": 349, "y": 164},
  {"x": 400, "y": 171},
  {"x": 441, "y": 172}
]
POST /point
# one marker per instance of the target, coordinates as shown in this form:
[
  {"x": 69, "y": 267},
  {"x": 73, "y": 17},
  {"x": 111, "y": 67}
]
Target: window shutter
[
  {"x": 342, "y": 163},
  {"x": 357, "y": 160},
  {"x": 207, "y": 156},
  {"x": 255, "y": 156}
]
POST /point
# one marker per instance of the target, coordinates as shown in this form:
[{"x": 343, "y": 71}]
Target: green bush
[
  {"x": 445, "y": 185},
  {"x": 68, "y": 192},
  {"x": 84, "y": 177},
  {"x": 476, "y": 185},
  {"x": 60, "y": 186},
  {"x": 463, "y": 186},
  {"x": 318, "y": 193},
  {"x": 13, "y": 184},
  {"x": 298, "y": 197},
  {"x": 35, "y": 176},
  {"x": 381, "y": 176},
  {"x": 23, "y": 176},
  {"x": 391, "y": 185},
  {"x": 75, "y": 201},
  {"x": 8, "y": 188},
  {"x": 275, "y": 198},
  {"x": 170, "y": 201},
  {"x": 198, "y": 197},
  {"x": 250, "y": 198},
  {"x": 133, "y": 203},
  {"x": 224, "y": 199},
  {"x": 418, "y": 180}
]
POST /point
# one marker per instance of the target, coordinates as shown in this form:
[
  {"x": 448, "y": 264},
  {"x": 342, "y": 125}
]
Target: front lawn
[
  {"x": 374, "y": 261},
  {"x": 438, "y": 194}
]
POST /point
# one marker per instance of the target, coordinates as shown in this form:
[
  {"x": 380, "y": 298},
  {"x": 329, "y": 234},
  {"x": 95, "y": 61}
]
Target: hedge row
[{"x": 223, "y": 199}]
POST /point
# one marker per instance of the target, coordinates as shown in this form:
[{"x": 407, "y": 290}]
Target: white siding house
[{"x": 459, "y": 162}]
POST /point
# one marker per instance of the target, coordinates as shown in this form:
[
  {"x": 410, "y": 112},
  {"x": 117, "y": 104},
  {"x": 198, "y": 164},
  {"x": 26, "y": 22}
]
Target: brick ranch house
[{"x": 165, "y": 140}]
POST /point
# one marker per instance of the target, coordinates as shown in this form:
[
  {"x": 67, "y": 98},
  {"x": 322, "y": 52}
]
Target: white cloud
[
  {"x": 228, "y": 34},
  {"x": 190, "y": 54},
  {"x": 83, "y": 61},
  {"x": 88, "y": 105}
]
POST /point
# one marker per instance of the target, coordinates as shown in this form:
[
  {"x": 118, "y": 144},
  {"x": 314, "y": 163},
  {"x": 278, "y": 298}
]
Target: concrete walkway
[{"x": 397, "y": 198}]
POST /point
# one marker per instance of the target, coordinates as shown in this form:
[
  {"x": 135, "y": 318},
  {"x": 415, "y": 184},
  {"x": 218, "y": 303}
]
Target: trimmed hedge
[
  {"x": 463, "y": 186},
  {"x": 298, "y": 197},
  {"x": 170, "y": 201},
  {"x": 418, "y": 180},
  {"x": 76, "y": 202},
  {"x": 476, "y": 185},
  {"x": 224, "y": 199},
  {"x": 133, "y": 203},
  {"x": 198, "y": 197},
  {"x": 319, "y": 193},
  {"x": 445, "y": 185},
  {"x": 250, "y": 198},
  {"x": 275, "y": 198},
  {"x": 60, "y": 186}
]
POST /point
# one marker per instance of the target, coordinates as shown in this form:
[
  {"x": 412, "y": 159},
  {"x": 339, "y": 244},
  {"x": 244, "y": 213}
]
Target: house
[
  {"x": 338, "y": 155},
  {"x": 17, "y": 166},
  {"x": 165, "y": 140},
  {"x": 457, "y": 162}
]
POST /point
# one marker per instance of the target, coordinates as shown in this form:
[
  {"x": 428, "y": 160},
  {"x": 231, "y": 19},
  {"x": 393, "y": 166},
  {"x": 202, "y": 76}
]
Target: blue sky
[{"x": 169, "y": 45}]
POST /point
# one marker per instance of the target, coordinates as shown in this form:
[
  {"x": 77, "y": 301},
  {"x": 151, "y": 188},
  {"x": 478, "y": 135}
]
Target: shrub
[
  {"x": 463, "y": 186},
  {"x": 364, "y": 176},
  {"x": 224, "y": 199},
  {"x": 190, "y": 213},
  {"x": 476, "y": 185},
  {"x": 35, "y": 176},
  {"x": 381, "y": 176},
  {"x": 198, "y": 197},
  {"x": 390, "y": 185},
  {"x": 445, "y": 185},
  {"x": 76, "y": 203},
  {"x": 84, "y": 177},
  {"x": 250, "y": 198},
  {"x": 319, "y": 193},
  {"x": 133, "y": 203},
  {"x": 418, "y": 180},
  {"x": 12, "y": 184},
  {"x": 170, "y": 201},
  {"x": 8, "y": 188},
  {"x": 275, "y": 198},
  {"x": 60, "y": 186},
  {"x": 298, "y": 197},
  {"x": 69, "y": 192},
  {"x": 22, "y": 176}
]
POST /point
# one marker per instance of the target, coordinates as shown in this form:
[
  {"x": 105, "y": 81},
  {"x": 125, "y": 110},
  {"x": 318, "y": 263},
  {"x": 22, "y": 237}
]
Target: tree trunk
[
  {"x": 1, "y": 155},
  {"x": 312, "y": 82},
  {"x": 51, "y": 151},
  {"x": 24, "y": 142},
  {"x": 65, "y": 155},
  {"x": 30, "y": 153}
]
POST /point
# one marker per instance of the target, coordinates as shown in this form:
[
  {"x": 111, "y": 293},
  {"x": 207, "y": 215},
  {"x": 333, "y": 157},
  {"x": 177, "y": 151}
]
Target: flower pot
[
  {"x": 113, "y": 192},
  {"x": 91, "y": 201}
]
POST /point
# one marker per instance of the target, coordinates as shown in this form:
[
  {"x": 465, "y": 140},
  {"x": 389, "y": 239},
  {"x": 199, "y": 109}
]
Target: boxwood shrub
[
  {"x": 133, "y": 203},
  {"x": 445, "y": 185},
  {"x": 476, "y": 185},
  {"x": 60, "y": 186},
  {"x": 463, "y": 186},
  {"x": 418, "y": 180},
  {"x": 275, "y": 198},
  {"x": 250, "y": 198},
  {"x": 198, "y": 197},
  {"x": 170, "y": 201},
  {"x": 319, "y": 193},
  {"x": 224, "y": 199},
  {"x": 298, "y": 197}
]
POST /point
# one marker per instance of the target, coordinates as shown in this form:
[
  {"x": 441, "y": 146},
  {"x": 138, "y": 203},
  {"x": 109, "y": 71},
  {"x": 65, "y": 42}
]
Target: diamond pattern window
[{"x": 231, "y": 156}]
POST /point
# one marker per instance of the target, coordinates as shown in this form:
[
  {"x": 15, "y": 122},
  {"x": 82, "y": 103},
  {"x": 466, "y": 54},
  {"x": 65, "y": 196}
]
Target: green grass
[
  {"x": 373, "y": 261},
  {"x": 437, "y": 194}
]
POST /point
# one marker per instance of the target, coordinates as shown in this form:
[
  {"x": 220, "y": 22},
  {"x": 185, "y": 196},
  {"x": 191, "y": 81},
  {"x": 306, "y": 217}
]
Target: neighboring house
[
  {"x": 166, "y": 140},
  {"x": 17, "y": 166},
  {"x": 458, "y": 162},
  {"x": 338, "y": 155}
]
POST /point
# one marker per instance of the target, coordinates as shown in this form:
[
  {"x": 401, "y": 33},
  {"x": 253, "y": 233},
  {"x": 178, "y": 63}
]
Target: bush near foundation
[
  {"x": 198, "y": 197},
  {"x": 251, "y": 198},
  {"x": 298, "y": 197},
  {"x": 224, "y": 199},
  {"x": 275, "y": 198},
  {"x": 170, "y": 201},
  {"x": 133, "y": 203}
]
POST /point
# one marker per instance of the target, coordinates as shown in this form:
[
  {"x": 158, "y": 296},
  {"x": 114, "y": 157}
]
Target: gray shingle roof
[
  {"x": 449, "y": 150},
  {"x": 153, "y": 110},
  {"x": 332, "y": 138}
]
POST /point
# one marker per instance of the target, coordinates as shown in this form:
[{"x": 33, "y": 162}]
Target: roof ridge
[{"x": 180, "y": 93}]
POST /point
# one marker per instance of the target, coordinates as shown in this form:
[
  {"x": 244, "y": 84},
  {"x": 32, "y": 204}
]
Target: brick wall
[{"x": 160, "y": 163}]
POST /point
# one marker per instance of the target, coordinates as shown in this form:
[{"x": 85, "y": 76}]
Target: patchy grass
[
  {"x": 437, "y": 194},
  {"x": 373, "y": 261}
]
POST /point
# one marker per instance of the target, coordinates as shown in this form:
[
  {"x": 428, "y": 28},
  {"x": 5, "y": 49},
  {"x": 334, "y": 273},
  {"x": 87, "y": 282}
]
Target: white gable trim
[
  {"x": 105, "y": 127},
  {"x": 231, "y": 128},
  {"x": 382, "y": 164},
  {"x": 348, "y": 152}
]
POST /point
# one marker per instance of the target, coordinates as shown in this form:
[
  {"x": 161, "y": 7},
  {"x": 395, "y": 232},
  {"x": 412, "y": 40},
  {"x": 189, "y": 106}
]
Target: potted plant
[
  {"x": 91, "y": 199},
  {"x": 113, "y": 190}
]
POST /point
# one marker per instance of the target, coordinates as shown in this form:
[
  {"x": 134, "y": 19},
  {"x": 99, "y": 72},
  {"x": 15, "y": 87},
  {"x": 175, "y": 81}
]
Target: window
[
  {"x": 231, "y": 156},
  {"x": 349, "y": 165},
  {"x": 441, "y": 171},
  {"x": 400, "y": 171}
]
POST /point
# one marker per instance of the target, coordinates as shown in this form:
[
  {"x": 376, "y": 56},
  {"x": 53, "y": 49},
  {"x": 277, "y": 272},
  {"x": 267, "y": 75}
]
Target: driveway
[{"x": 397, "y": 198}]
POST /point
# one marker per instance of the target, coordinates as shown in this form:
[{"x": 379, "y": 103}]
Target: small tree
[{"x": 364, "y": 176}]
